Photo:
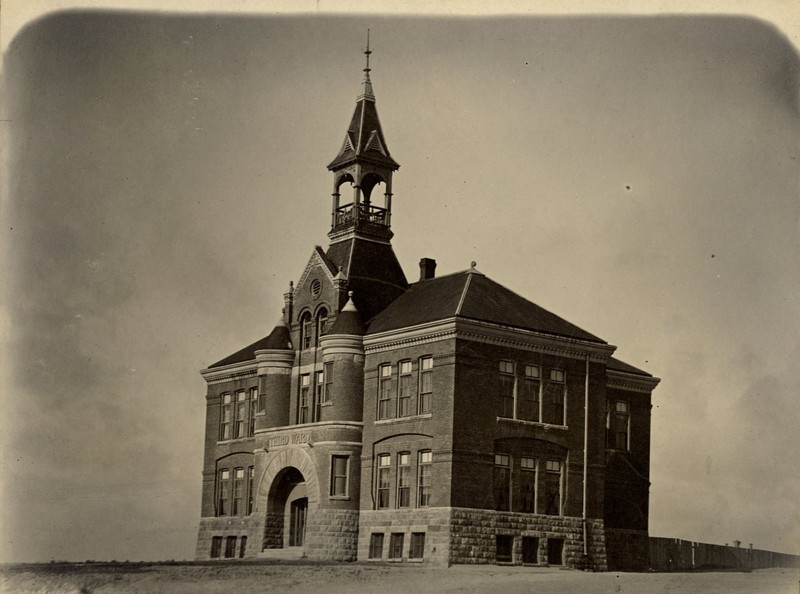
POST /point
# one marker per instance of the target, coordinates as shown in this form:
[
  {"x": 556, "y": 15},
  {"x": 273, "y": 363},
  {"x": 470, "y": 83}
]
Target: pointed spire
[{"x": 366, "y": 92}]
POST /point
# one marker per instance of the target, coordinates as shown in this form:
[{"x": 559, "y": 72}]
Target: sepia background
[{"x": 164, "y": 180}]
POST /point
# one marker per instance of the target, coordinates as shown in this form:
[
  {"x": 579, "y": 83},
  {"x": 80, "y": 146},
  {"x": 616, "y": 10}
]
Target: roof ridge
[{"x": 463, "y": 294}]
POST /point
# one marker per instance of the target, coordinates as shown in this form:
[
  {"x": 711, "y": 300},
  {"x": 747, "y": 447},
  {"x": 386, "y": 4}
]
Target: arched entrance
[
  {"x": 288, "y": 494},
  {"x": 287, "y": 510}
]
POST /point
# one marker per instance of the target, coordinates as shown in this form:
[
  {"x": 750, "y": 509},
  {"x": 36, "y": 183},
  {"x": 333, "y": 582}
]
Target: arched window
[
  {"x": 322, "y": 324},
  {"x": 306, "y": 331}
]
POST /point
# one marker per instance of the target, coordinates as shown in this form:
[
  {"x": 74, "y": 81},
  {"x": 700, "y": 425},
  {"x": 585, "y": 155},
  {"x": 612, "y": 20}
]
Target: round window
[{"x": 316, "y": 288}]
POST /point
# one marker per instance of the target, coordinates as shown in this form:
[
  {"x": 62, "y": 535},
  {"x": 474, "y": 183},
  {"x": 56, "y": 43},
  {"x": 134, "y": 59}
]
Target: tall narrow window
[
  {"x": 502, "y": 482},
  {"x": 621, "y": 424},
  {"x": 327, "y": 391},
  {"x": 424, "y": 479},
  {"x": 552, "y": 487},
  {"x": 262, "y": 402},
  {"x": 505, "y": 403},
  {"x": 242, "y": 547},
  {"x": 238, "y": 491},
  {"x": 555, "y": 403},
  {"x": 425, "y": 384},
  {"x": 223, "y": 492},
  {"x": 306, "y": 330},
  {"x": 403, "y": 479},
  {"x": 527, "y": 480},
  {"x": 385, "y": 391},
  {"x": 305, "y": 387},
  {"x": 319, "y": 389},
  {"x": 404, "y": 390},
  {"x": 339, "y": 476},
  {"x": 241, "y": 423},
  {"x": 322, "y": 324},
  {"x": 250, "y": 481},
  {"x": 528, "y": 407},
  {"x": 226, "y": 418},
  {"x": 383, "y": 482},
  {"x": 252, "y": 411}
]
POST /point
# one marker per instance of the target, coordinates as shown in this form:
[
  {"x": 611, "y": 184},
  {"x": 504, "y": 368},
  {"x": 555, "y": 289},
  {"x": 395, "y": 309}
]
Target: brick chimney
[{"x": 427, "y": 268}]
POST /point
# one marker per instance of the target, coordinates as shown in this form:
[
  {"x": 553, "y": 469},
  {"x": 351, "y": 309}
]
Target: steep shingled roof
[
  {"x": 278, "y": 339},
  {"x": 471, "y": 295},
  {"x": 617, "y": 365},
  {"x": 364, "y": 138}
]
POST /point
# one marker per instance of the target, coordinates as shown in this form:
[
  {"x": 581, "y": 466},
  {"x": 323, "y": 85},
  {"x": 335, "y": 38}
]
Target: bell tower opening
[{"x": 362, "y": 172}]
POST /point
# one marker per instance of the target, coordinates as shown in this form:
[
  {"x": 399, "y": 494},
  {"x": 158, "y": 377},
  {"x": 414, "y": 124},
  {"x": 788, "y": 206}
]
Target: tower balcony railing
[{"x": 354, "y": 213}]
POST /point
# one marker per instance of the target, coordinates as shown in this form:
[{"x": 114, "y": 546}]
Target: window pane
[{"x": 417, "y": 545}]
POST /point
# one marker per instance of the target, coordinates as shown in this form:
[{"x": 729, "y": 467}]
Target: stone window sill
[
  {"x": 339, "y": 497},
  {"x": 533, "y": 423},
  {"x": 402, "y": 419},
  {"x": 236, "y": 440}
]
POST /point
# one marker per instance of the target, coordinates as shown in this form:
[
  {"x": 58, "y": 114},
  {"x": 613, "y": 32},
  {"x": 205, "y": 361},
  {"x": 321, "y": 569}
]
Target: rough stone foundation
[
  {"x": 474, "y": 533},
  {"x": 332, "y": 535}
]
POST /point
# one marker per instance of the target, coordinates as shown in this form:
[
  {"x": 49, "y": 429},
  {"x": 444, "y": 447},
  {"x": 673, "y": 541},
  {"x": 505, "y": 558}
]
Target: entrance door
[{"x": 297, "y": 522}]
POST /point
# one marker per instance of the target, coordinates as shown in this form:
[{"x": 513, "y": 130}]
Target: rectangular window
[
  {"x": 339, "y": 476},
  {"x": 250, "y": 480},
  {"x": 404, "y": 480},
  {"x": 528, "y": 406},
  {"x": 505, "y": 548},
  {"x": 262, "y": 402},
  {"x": 552, "y": 487},
  {"x": 376, "y": 545},
  {"x": 384, "y": 483},
  {"x": 242, "y": 547},
  {"x": 252, "y": 411},
  {"x": 302, "y": 411},
  {"x": 327, "y": 392},
  {"x": 417, "y": 545},
  {"x": 502, "y": 482},
  {"x": 396, "y": 545},
  {"x": 230, "y": 547},
  {"x": 385, "y": 391},
  {"x": 320, "y": 389},
  {"x": 238, "y": 491},
  {"x": 424, "y": 479},
  {"x": 223, "y": 487},
  {"x": 621, "y": 425},
  {"x": 530, "y": 549},
  {"x": 404, "y": 389},
  {"x": 527, "y": 480},
  {"x": 554, "y": 400},
  {"x": 505, "y": 403},
  {"x": 226, "y": 418},
  {"x": 216, "y": 547},
  {"x": 425, "y": 384},
  {"x": 241, "y": 415}
]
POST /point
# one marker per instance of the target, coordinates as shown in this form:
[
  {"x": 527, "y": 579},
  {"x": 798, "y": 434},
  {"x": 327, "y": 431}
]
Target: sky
[{"x": 165, "y": 179}]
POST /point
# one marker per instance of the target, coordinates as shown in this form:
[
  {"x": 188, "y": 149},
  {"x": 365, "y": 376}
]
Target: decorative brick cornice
[
  {"x": 630, "y": 381},
  {"x": 488, "y": 333},
  {"x": 232, "y": 372}
]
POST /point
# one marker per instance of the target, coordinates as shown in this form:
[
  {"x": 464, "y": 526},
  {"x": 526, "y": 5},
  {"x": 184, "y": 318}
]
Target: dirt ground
[{"x": 349, "y": 578}]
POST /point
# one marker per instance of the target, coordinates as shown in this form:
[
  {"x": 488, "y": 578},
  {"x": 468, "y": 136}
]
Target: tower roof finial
[{"x": 367, "y": 92}]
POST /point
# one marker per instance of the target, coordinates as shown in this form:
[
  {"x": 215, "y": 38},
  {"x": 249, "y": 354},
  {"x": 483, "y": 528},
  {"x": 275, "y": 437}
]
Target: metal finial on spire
[
  {"x": 367, "y": 52},
  {"x": 367, "y": 91}
]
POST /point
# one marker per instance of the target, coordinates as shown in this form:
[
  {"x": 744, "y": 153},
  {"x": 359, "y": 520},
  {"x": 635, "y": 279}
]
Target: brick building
[{"x": 448, "y": 420}]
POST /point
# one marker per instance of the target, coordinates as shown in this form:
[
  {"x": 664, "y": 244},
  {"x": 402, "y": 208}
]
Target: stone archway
[{"x": 288, "y": 492}]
